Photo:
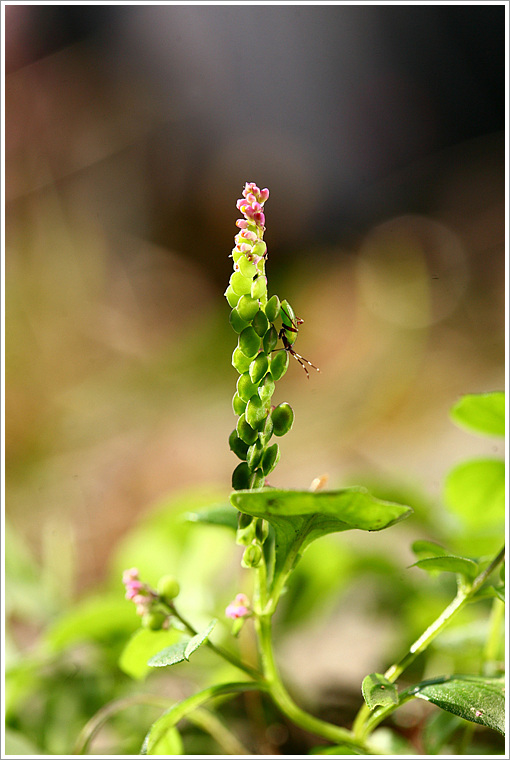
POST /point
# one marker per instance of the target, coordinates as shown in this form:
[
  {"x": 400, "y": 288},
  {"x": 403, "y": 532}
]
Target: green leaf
[
  {"x": 475, "y": 491},
  {"x": 198, "y": 640},
  {"x": 169, "y": 743},
  {"x": 300, "y": 517},
  {"x": 217, "y": 514},
  {"x": 143, "y": 645},
  {"x": 481, "y": 412},
  {"x": 153, "y": 742},
  {"x": 98, "y": 618},
  {"x": 182, "y": 650},
  {"x": 171, "y": 655},
  {"x": 450, "y": 564},
  {"x": 377, "y": 690},
  {"x": 424, "y": 549},
  {"x": 475, "y": 698}
]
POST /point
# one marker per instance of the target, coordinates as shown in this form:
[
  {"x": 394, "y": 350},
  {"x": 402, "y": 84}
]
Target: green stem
[
  {"x": 284, "y": 701},
  {"x": 219, "y": 650},
  {"x": 366, "y": 721}
]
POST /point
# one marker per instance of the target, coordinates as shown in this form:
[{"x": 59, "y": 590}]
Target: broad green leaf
[
  {"x": 182, "y": 650},
  {"x": 475, "y": 491},
  {"x": 300, "y": 517},
  {"x": 98, "y": 618},
  {"x": 450, "y": 564},
  {"x": 219, "y": 514},
  {"x": 143, "y": 645},
  {"x": 481, "y": 412},
  {"x": 156, "y": 735},
  {"x": 475, "y": 698},
  {"x": 377, "y": 690}
]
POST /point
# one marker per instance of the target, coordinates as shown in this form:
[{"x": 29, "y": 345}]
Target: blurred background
[{"x": 130, "y": 131}]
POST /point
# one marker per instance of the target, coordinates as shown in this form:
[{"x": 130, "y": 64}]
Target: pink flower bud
[
  {"x": 239, "y": 608},
  {"x": 251, "y": 188},
  {"x": 241, "y": 223},
  {"x": 248, "y": 235},
  {"x": 259, "y": 218},
  {"x": 264, "y": 195},
  {"x": 130, "y": 575}
]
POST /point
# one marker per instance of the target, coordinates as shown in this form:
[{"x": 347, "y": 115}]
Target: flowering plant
[{"x": 275, "y": 526}]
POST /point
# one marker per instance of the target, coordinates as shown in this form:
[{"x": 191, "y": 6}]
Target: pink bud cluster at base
[{"x": 139, "y": 593}]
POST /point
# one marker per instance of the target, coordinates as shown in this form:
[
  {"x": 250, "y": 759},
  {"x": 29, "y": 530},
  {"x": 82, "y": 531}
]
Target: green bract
[
  {"x": 259, "y": 367},
  {"x": 273, "y": 308},
  {"x": 283, "y": 418},
  {"x": 249, "y": 342},
  {"x": 247, "y": 307}
]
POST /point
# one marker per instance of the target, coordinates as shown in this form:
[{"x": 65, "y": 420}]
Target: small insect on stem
[{"x": 293, "y": 327}]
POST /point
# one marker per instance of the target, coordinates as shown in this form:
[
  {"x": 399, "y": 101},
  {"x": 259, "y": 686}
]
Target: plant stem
[
  {"x": 219, "y": 650},
  {"x": 284, "y": 701},
  {"x": 365, "y": 721}
]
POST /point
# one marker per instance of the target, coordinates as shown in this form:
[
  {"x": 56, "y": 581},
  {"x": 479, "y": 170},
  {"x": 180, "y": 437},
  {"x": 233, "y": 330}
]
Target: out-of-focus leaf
[
  {"x": 384, "y": 741},
  {"x": 18, "y": 744},
  {"x": 475, "y": 698},
  {"x": 447, "y": 564},
  {"x": 143, "y": 645},
  {"x": 219, "y": 514},
  {"x": 481, "y": 412},
  {"x": 438, "y": 729},
  {"x": 98, "y": 618},
  {"x": 300, "y": 517},
  {"x": 377, "y": 690},
  {"x": 475, "y": 491}
]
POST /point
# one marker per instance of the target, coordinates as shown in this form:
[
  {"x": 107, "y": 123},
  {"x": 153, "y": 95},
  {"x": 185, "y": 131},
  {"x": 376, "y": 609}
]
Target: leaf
[
  {"x": 182, "y": 650},
  {"x": 98, "y": 618},
  {"x": 143, "y": 645},
  {"x": 171, "y": 655},
  {"x": 475, "y": 491},
  {"x": 300, "y": 517},
  {"x": 154, "y": 740},
  {"x": 219, "y": 514},
  {"x": 450, "y": 564},
  {"x": 474, "y": 698},
  {"x": 169, "y": 743},
  {"x": 481, "y": 412},
  {"x": 424, "y": 549},
  {"x": 377, "y": 690},
  {"x": 198, "y": 640}
]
